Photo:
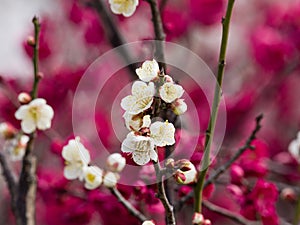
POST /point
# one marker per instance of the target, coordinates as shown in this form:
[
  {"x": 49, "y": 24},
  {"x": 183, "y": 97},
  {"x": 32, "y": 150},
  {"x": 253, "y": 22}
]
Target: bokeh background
[{"x": 262, "y": 76}]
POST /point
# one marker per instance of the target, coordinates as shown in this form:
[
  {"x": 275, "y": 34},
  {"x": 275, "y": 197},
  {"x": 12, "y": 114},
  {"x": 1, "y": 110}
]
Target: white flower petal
[
  {"x": 28, "y": 125},
  {"x": 72, "y": 172},
  {"x": 92, "y": 177},
  {"x": 148, "y": 71},
  {"x": 162, "y": 133},
  {"x": 141, "y": 158},
  {"x": 153, "y": 155},
  {"x": 169, "y": 92},
  {"x": 146, "y": 121},
  {"x": 110, "y": 179},
  {"x": 21, "y": 112},
  {"x": 128, "y": 144}
]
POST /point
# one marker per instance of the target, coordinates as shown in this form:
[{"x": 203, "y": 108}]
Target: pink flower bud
[
  {"x": 30, "y": 41},
  {"x": 7, "y": 131},
  {"x": 237, "y": 174},
  {"x": 115, "y": 162},
  {"x": 288, "y": 194},
  {"x": 186, "y": 174},
  {"x": 207, "y": 222},
  {"x": 24, "y": 98}
]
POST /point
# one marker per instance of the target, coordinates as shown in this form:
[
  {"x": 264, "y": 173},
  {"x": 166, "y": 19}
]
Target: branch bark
[{"x": 128, "y": 205}]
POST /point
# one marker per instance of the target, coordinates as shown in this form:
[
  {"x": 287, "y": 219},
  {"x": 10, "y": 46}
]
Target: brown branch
[
  {"x": 27, "y": 186},
  {"x": 10, "y": 180},
  {"x": 223, "y": 168},
  {"x": 159, "y": 33},
  {"x": 128, "y": 205},
  {"x": 113, "y": 34},
  {"x": 224, "y": 212},
  {"x": 161, "y": 194}
]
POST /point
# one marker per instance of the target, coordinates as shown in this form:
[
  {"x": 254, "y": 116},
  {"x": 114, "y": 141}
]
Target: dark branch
[{"x": 128, "y": 205}]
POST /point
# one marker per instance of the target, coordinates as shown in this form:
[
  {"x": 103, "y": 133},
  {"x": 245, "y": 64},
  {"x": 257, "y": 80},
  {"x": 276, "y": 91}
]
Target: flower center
[{"x": 91, "y": 177}]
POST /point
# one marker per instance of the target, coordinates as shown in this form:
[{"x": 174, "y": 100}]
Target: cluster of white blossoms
[
  {"x": 77, "y": 159},
  {"x": 144, "y": 135},
  {"x": 15, "y": 144},
  {"x": 124, "y": 7},
  {"x": 294, "y": 147}
]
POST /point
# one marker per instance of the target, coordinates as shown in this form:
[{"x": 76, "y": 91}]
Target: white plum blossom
[
  {"x": 136, "y": 122},
  {"x": 148, "y": 222},
  {"x": 115, "y": 162},
  {"x": 77, "y": 157},
  {"x": 35, "y": 115},
  {"x": 148, "y": 71},
  {"x": 110, "y": 179},
  {"x": 141, "y": 98},
  {"x": 141, "y": 147},
  {"x": 92, "y": 177},
  {"x": 186, "y": 174},
  {"x": 16, "y": 147},
  {"x": 179, "y": 106},
  {"x": 294, "y": 147},
  {"x": 169, "y": 92},
  {"x": 124, "y": 7},
  {"x": 162, "y": 133}
]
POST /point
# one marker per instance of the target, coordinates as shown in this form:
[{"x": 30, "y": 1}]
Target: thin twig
[
  {"x": 161, "y": 194},
  {"x": 113, "y": 34},
  {"x": 224, "y": 212},
  {"x": 128, "y": 205},
  {"x": 27, "y": 181},
  {"x": 159, "y": 34},
  {"x": 223, "y": 168},
  {"x": 215, "y": 108}
]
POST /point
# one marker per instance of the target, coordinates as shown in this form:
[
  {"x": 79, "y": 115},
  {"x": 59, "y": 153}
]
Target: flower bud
[
  {"x": 7, "y": 131},
  {"x": 115, "y": 162},
  {"x": 179, "y": 107},
  {"x": 24, "y": 98},
  {"x": 198, "y": 218},
  {"x": 168, "y": 79},
  {"x": 288, "y": 194},
  {"x": 110, "y": 179},
  {"x": 40, "y": 75},
  {"x": 148, "y": 222},
  {"x": 30, "y": 41},
  {"x": 207, "y": 222},
  {"x": 186, "y": 174},
  {"x": 236, "y": 173}
]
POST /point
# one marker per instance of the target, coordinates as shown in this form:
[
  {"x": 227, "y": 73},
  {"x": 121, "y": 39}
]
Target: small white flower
[
  {"x": 162, "y": 133},
  {"x": 124, "y": 7},
  {"x": 141, "y": 98},
  {"x": 198, "y": 218},
  {"x": 148, "y": 222},
  {"x": 110, "y": 179},
  {"x": 115, "y": 162},
  {"x": 16, "y": 147},
  {"x": 77, "y": 157},
  {"x": 294, "y": 147},
  {"x": 169, "y": 92},
  {"x": 141, "y": 147},
  {"x": 179, "y": 107},
  {"x": 92, "y": 177},
  {"x": 148, "y": 71},
  {"x": 187, "y": 172},
  {"x": 36, "y": 114}
]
